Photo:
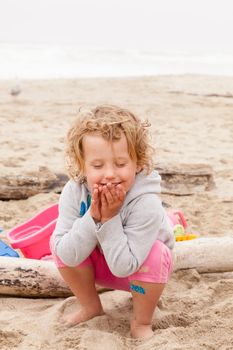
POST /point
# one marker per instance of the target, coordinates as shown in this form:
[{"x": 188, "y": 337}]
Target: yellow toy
[
  {"x": 179, "y": 226},
  {"x": 181, "y": 235}
]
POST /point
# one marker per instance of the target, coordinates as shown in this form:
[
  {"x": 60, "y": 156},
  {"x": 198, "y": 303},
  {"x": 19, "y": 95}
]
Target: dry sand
[{"x": 192, "y": 122}]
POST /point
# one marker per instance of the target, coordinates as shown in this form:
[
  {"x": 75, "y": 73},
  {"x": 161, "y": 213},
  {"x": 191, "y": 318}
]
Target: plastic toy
[
  {"x": 186, "y": 237},
  {"x": 179, "y": 225},
  {"x": 5, "y": 250},
  {"x": 32, "y": 237},
  {"x": 177, "y": 218}
]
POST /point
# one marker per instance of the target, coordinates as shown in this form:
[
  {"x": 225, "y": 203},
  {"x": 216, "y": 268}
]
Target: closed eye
[
  {"x": 97, "y": 166},
  {"x": 120, "y": 165}
]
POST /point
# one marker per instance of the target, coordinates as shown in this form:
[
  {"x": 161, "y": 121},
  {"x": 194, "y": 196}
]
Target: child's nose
[{"x": 110, "y": 174}]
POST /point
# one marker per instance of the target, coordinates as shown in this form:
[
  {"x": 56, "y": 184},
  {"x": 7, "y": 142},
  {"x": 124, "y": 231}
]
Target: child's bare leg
[
  {"x": 82, "y": 283},
  {"x": 145, "y": 298}
]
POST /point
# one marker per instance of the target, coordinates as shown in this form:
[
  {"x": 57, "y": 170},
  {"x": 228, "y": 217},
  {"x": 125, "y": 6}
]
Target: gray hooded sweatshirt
[{"x": 126, "y": 239}]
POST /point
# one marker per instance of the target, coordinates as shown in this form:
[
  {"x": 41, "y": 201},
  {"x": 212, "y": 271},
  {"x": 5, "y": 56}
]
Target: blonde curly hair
[{"x": 110, "y": 122}]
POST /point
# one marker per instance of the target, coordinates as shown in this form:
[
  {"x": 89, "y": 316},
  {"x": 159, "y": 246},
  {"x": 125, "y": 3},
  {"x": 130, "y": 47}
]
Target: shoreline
[{"x": 121, "y": 77}]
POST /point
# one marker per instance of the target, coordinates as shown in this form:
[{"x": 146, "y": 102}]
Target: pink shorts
[{"x": 157, "y": 268}]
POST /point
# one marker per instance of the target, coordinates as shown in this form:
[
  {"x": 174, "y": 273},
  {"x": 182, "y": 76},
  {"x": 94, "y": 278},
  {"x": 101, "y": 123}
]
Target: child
[{"x": 112, "y": 228}]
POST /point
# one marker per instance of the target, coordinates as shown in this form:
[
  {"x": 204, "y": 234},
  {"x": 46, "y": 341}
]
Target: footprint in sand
[
  {"x": 10, "y": 339},
  {"x": 11, "y": 163},
  {"x": 175, "y": 320}
]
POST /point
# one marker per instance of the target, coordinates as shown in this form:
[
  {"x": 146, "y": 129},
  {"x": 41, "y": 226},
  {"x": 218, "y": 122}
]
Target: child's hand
[
  {"x": 112, "y": 198},
  {"x": 95, "y": 204}
]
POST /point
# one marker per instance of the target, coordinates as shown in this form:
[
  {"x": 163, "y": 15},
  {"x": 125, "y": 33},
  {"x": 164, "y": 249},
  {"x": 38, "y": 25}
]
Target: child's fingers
[
  {"x": 95, "y": 195},
  {"x": 95, "y": 187},
  {"x": 112, "y": 190},
  {"x": 108, "y": 195},
  {"x": 104, "y": 202},
  {"x": 95, "y": 201},
  {"x": 120, "y": 192}
]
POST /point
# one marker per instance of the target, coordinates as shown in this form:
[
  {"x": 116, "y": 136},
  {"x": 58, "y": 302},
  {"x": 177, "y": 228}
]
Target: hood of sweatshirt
[{"x": 144, "y": 184}]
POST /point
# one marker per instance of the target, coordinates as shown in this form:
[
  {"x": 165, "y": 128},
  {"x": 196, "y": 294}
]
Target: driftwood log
[
  {"x": 205, "y": 254},
  {"x": 36, "y": 278},
  {"x": 186, "y": 179},
  {"x": 31, "y": 183},
  {"x": 181, "y": 179},
  {"x": 32, "y": 278}
]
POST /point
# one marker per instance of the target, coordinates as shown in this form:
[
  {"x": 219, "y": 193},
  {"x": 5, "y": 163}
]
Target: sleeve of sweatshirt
[
  {"x": 126, "y": 247},
  {"x": 74, "y": 237}
]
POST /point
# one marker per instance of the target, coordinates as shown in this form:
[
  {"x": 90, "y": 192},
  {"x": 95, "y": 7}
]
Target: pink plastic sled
[{"x": 32, "y": 237}]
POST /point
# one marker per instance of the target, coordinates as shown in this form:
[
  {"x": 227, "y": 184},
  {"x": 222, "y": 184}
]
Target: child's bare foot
[
  {"x": 81, "y": 316},
  {"x": 140, "y": 331}
]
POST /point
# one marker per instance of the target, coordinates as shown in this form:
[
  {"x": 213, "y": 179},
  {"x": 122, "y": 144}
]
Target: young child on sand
[{"x": 112, "y": 229}]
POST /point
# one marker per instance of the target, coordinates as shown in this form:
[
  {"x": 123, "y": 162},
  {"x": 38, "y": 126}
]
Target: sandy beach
[{"x": 192, "y": 123}]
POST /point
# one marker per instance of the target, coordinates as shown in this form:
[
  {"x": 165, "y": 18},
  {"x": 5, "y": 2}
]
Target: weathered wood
[
  {"x": 181, "y": 179},
  {"x": 28, "y": 277},
  {"x": 36, "y": 278},
  {"x": 31, "y": 183},
  {"x": 185, "y": 179},
  {"x": 205, "y": 254}
]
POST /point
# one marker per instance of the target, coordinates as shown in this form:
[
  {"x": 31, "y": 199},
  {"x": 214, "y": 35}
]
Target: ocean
[{"x": 40, "y": 61}]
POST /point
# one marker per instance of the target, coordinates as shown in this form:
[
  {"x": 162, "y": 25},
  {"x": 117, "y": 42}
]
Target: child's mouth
[{"x": 112, "y": 183}]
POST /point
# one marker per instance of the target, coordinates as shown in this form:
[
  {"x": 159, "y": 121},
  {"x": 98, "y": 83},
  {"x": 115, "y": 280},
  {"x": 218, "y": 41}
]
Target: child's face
[{"x": 106, "y": 162}]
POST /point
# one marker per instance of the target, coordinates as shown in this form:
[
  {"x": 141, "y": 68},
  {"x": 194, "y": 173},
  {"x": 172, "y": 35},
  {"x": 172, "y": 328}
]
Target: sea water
[{"x": 43, "y": 61}]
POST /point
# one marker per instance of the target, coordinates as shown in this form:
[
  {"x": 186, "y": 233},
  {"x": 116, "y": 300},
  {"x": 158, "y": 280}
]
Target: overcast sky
[{"x": 133, "y": 24}]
